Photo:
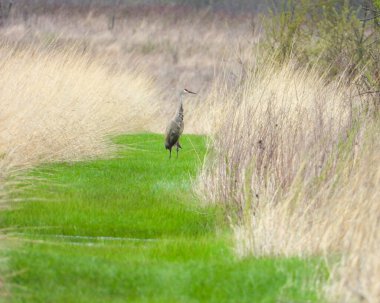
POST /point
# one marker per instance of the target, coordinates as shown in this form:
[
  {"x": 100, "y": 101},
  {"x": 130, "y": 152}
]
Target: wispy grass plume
[
  {"x": 59, "y": 105},
  {"x": 287, "y": 161}
]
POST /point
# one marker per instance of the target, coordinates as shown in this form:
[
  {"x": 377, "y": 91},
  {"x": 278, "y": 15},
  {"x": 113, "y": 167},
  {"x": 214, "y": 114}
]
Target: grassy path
[{"x": 129, "y": 230}]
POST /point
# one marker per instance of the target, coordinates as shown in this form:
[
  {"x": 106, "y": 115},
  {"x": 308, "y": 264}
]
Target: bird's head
[{"x": 185, "y": 91}]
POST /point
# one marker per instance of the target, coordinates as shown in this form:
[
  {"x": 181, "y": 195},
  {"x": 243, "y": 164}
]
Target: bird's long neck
[{"x": 179, "y": 113}]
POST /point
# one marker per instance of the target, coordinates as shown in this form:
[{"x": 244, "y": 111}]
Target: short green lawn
[{"x": 129, "y": 229}]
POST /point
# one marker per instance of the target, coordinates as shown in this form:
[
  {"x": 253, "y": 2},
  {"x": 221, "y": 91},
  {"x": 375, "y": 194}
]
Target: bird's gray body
[
  {"x": 173, "y": 132},
  {"x": 175, "y": 128}
]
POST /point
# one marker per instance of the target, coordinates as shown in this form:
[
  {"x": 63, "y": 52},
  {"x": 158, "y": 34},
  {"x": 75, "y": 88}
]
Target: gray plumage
[{"x": 175, "y": 127}]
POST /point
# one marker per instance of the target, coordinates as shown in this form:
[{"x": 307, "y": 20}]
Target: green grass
[{"x": 129, "y": 229}]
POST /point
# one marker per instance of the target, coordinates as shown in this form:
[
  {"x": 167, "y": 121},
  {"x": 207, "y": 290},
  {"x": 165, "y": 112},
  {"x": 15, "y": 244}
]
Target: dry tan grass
[
  {"x": 180, "y": 48},
  {"x": 357, "y": 220},
  {"x": 272, "y": 124},
  {"x": 60, "y": 105},
  {"x": 289, "y": 161}
]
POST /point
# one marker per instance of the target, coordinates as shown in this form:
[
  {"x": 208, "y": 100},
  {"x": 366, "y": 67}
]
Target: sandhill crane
[{"x": 175, "y": 128}]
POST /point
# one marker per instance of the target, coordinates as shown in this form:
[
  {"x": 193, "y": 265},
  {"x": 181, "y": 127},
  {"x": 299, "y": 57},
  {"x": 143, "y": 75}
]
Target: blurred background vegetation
[{"x": 339, "y": 35}]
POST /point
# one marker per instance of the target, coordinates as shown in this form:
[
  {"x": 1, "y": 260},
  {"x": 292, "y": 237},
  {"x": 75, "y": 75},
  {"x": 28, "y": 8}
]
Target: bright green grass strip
[
  {"x": 143, "y": 194},
  {"x": 128, "y": 229}
]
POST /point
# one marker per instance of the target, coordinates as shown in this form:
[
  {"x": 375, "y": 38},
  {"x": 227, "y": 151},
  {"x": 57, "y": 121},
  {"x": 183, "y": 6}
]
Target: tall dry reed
[
  {"x": 356, "y": 210},
  {"x": 287, "y": 161},
  {"x": 61, "y": 105},
  {"x": 275, "y": 122}
]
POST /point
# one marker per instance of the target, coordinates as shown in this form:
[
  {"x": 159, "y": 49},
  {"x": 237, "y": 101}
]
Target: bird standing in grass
[{"x": 175, "y": 128}]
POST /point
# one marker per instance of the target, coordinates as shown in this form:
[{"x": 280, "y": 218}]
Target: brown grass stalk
[
  {"x": 288, "y": 162},
  {"x": 61, "y": 106}
]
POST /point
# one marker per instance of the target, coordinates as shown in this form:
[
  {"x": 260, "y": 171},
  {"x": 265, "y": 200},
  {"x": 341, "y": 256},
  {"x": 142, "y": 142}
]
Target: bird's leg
[
  {"x": 178, "y": 147},
  {"x": 170, "y": 153}
]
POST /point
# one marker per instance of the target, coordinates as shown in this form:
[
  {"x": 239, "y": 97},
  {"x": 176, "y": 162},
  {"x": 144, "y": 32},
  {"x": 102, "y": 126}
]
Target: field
[
  {"x": 275, "y": 194},
  {"x": 129, "y": 228}
]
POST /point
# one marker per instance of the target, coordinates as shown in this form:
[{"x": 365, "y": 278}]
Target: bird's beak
[{"x": 190, "y": 92}]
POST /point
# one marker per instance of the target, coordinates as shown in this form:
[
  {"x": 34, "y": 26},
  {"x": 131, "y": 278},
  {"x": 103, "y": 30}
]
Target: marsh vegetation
[{"x": 276, "y": 194}]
